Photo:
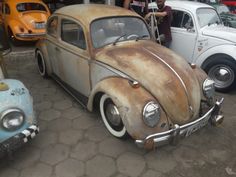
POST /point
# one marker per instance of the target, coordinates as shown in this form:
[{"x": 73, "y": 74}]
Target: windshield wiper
[
  {"x": 118, "y": 38},
  {"x": 140, "y": 37}
]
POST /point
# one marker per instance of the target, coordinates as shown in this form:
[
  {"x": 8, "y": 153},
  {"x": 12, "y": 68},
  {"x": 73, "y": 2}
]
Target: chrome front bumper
[
  {"x": 30, "y": 35},
  {"x": 172, "y": 136}
]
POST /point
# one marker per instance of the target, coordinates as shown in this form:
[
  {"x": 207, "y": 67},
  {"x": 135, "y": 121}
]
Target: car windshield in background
[
  {"x": 222, "y": 9},
  {"x": 207, "y": 16},
  {"x": 23, "y": 7},
  {"x": 112, "y": 30}
]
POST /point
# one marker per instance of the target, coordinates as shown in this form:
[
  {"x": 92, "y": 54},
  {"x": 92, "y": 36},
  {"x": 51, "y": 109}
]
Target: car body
[
  {"x": 17, "y": 120},
  {"x": 199, "y": 36},
  {"x": 231, "y": 5},
  {"x": 228, "y": 18},
  {"x": 108, "y": 60},
  {"x": 24, "y": 20}
]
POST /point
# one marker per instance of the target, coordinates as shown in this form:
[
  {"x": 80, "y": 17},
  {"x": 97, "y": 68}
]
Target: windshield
[
  {"x": 22, "y": 7},
  {"x": 207, "y": 16},
  {"x": 115, "y": 29},
  {"x": 222, "y": 9}
]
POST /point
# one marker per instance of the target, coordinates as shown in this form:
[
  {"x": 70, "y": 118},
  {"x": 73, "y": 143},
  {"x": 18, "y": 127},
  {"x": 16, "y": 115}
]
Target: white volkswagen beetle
[{"x": 199, "y": 35}]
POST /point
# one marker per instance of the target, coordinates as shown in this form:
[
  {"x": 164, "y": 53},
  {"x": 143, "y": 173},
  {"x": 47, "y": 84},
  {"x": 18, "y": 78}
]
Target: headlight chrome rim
[
  {"x": 208, "y": 88},
  {"x": 5, "y": 121},
  {"x": 154, "y": 108}
]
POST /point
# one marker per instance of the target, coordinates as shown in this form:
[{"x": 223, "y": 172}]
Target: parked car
[
  {"x": 231, "y": 5},
  {"x": 228, "y": 18},
  {"x": 17, "y": 119},
  {"x": 108, "y": 60},
  {"x": 24, "y": 20},
  {"x": 200, "y": 37}
]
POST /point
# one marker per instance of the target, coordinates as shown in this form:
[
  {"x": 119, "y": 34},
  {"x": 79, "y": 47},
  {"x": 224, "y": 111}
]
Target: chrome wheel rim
[
  {"x": 223, "y": 75},
  {"x": 113, "y": 115}
]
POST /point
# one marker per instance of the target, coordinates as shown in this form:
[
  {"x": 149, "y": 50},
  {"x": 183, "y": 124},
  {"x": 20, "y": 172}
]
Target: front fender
[
  {"x": 226, "y": 49},
  {"x": 40, "y": 45},
  {"x": 130, "y": 102}
]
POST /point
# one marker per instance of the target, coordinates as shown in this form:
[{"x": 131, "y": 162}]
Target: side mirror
[{"x": 4, "y": 44}]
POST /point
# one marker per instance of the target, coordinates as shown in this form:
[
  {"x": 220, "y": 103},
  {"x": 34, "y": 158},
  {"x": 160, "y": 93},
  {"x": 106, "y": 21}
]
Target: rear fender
[
  {"x": 14, "y": 25},
  {"x": 130, "y": 102}
]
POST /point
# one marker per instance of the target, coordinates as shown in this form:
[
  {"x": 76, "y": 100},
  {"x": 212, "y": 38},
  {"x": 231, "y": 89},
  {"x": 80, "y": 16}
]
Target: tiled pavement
[{"x": 74, "y": 142}]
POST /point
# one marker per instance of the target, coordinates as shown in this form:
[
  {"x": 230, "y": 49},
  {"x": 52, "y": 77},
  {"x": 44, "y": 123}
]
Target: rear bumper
[
  {"x": 18, "y": 140},
  {"x": 30, "y": 35},
  {"x": 172, "y": 136}
]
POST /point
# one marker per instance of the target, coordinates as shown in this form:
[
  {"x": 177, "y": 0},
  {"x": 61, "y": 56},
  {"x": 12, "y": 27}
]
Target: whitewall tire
[
  {"x": 41, "y": 64},
  {"x": 111, "y": 117}
]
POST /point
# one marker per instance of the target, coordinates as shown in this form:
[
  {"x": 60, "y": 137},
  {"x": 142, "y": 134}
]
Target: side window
[
  {"x": 181, "y": 20},
  {"x": 52, "y": 26},
  {"x": 6, "y": 9},
  {"x": 177, "y": 18},
  {"x": 72, "y": 33}
]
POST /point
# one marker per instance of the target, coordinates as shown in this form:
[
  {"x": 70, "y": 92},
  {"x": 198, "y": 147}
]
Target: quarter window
[
  {"x": 52, "y": 27},
  {"x": 72, "y": 33}
]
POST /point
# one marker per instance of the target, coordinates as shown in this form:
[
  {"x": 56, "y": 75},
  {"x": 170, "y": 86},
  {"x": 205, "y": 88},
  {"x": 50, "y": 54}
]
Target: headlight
[
  {"x": 12, "y": 119},
  {"x": 209, "y": 88},
  {"x": 151, "y": 114}
]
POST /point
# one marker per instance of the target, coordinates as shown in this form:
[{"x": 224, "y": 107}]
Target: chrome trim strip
[
  {"x": 112, "y": 69},
  {"x": 25, "y": 35}
]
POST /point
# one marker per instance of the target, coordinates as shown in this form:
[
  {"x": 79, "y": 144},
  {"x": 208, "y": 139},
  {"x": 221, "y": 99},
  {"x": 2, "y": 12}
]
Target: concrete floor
[{"x": 74, "y": 142}]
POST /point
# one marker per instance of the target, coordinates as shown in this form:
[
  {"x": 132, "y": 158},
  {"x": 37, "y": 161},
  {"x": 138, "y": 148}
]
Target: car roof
[
  {"x": 88, "y": 12},
  {"x": 190, "y": 5}
]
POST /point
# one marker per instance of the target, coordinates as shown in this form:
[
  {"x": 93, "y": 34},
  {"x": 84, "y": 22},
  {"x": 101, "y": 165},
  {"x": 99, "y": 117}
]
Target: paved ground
[{"x": 74, "y": 142}]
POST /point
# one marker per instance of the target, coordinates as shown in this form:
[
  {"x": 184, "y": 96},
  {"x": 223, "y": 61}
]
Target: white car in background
[{"x": 199, "y": 35}]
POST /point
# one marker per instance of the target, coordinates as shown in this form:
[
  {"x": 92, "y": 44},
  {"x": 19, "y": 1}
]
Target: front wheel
[
  {"x": 111, "y": 117},
  {"x": 223, "y": 72}
]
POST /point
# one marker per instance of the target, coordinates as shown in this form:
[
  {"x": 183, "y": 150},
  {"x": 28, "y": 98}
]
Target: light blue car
[{"x": 17, "y": 120}]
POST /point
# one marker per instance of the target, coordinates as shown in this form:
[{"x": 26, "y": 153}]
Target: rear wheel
[
  {"x": 111, "y": 117},
  {"x": 41, "y": 64},
  {"x": 223, "y": 71}
]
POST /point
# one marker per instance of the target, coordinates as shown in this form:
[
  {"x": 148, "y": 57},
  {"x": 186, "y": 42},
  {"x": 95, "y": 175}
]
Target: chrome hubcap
[
  {"x": 222, "y": 75},
  {"x": 113, "y": 115}
]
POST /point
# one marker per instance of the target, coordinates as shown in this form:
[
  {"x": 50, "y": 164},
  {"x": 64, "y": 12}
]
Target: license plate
[
  {"x": 199, "y": 125},
  {"x": 39, "y": 25}
]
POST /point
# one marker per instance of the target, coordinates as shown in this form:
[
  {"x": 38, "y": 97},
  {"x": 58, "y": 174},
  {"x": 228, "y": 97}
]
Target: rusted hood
[{"x": 160, "y": 71}]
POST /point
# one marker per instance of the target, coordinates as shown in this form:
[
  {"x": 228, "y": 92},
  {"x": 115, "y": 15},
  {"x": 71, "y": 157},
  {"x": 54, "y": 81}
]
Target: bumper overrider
[
  {"x": 15, "y": 142},
  {"x": 172, "y": 136}
]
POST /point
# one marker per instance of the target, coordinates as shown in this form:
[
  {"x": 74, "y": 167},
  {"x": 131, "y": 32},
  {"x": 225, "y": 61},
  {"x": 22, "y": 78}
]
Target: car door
[
  {"x": 52, "y": 41},
  {"x": 73, "y": 56},
  {"x": 184, "y": 34}
]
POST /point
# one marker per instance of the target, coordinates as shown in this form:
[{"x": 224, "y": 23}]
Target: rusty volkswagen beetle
[{"x": 107, "y": 59}]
